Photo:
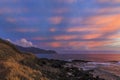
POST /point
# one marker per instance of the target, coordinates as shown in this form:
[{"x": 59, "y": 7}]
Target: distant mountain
[{"x": 35, "y": 50}]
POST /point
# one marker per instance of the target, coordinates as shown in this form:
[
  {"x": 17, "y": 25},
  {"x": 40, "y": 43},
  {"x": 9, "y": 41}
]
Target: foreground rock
[{"x": 105, "y": 70}]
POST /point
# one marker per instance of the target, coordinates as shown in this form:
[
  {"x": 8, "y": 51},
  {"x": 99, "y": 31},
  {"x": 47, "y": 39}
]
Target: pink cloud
[
  {"x": 11, "y": 20},
  {"x": 69, "y": 1},
  {"x": 109, "y": 1},
  {"x": 92, "y": 36},
  {"x": 109, "y": 10},
  {"x": 52, "y": 29},
  {"x": 60, "y": 10},
  {"x": 8, "y": 1},
  {"x": 77, "y": 20},
  {"x": 9, "y": 10},
  {"x": 55, "y": 19},
  {"x": 65, "y": 37},
  {"x": 24, "y": 30},
  {"x": 28, "y": 19},
  {"x": 114, "y": 36},
  {"x": 100, "y": 24},
  {"x": 79, "y": 29},
  {"x": 39, "y": 38},
  {"x": 55, "y": 44}
]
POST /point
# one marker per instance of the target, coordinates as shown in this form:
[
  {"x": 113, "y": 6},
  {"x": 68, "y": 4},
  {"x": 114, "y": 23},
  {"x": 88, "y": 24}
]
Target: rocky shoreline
[
  {"x": 109, "y": 70},
  {"x": 66, "y": 70}
]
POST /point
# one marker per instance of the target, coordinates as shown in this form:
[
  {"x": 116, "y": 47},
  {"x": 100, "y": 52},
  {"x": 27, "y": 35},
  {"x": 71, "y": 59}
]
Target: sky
[{"x": 62, "y": 25}]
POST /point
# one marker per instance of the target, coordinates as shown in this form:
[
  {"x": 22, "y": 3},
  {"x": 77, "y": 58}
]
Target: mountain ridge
[{"x": 35, "y": 50}]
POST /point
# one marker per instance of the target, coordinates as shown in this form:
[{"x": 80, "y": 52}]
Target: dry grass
[
  {"x": 15, "y": 71},
  {"x": 10, "y": 67}
]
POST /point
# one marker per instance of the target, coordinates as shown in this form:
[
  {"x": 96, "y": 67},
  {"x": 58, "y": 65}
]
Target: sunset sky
[{"x": 62, "y": 25}]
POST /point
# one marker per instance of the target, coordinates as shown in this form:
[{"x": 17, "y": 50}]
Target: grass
[{"x": 12, "y": 69}]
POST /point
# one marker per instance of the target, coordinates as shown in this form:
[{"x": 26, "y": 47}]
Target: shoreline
[{"x": 109, "y": 70}]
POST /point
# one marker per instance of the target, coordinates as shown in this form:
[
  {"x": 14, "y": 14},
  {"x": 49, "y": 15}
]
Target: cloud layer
[{"x": 62, "y": 24}]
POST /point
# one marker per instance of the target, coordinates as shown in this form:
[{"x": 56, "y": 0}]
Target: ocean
[{"x": 87, "y": 57}]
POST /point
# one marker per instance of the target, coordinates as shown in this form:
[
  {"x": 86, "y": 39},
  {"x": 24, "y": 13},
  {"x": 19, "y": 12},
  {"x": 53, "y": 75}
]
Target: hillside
[
  {"x": 11, "y": 67},
  {"x": 15, "y": 65}
]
